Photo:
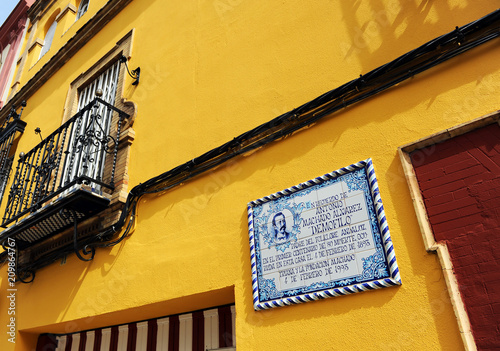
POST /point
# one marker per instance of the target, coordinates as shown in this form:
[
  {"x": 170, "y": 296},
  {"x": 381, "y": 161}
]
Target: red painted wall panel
[{"x": 460, "y": 183}]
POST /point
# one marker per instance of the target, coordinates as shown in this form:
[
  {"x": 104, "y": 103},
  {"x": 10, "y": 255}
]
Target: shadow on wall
[{"x": 400, "y": 26}]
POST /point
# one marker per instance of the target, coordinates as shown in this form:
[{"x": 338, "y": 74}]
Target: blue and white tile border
[{"x": 277, "y": 298}]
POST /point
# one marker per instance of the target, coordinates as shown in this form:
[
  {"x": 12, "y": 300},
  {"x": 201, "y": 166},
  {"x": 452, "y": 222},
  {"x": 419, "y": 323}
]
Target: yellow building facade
[{"x": 211, "y": 71}]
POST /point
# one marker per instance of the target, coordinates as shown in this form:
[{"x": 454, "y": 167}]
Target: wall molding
[
  {"x": 425, "y": 227},
  {"x": 67, "y": 51}
]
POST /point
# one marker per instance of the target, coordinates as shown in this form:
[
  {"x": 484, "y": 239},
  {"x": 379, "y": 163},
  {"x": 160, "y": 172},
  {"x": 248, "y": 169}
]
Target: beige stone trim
[
  {"x": 15, "y": 86},
  {"x": 442, "y": 251},
  {"x": 69, "y": 8},
  {"x": 453, "y": 132},
  {"x": 455, "y": 297},
  {"x": 122, "y": 47},
  {"x": 37, "y": 42},
  {"x": 418, "y": 202},
  {"x": 423, "y": 221},
  {"x": 66, "y": 18},
  {"x": 39, "y": 9}
]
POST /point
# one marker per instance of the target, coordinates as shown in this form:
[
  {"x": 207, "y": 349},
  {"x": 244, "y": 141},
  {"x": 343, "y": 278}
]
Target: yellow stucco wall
[{"x": 212, "y": 70}]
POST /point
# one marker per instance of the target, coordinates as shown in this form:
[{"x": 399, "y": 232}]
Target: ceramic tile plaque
[{"x": 323, "y": 238}]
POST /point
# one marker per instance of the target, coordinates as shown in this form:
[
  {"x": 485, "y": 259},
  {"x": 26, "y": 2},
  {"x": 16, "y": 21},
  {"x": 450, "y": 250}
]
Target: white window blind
[
  {"x": 48, "y": 38},
  {"x": 82, "y": 164},
  {"x": 84, "y": 4}
]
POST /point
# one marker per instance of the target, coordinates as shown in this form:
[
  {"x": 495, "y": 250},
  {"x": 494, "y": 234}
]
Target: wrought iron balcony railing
[
  {"x": 81, "y": 151},
  {"x": 8, "y": 134}
]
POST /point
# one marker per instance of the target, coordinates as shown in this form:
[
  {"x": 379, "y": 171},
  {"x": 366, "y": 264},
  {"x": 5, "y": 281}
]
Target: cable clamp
[
  {"x": 361, "y": 82},
  {"x": 460, "y": 35}
]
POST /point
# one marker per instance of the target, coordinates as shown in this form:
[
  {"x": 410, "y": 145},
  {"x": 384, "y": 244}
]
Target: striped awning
[{"x": 211, "y": 329}]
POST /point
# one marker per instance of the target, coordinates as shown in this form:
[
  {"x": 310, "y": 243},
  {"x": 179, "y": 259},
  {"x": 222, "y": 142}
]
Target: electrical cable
[{"x": 374, "y": 82}]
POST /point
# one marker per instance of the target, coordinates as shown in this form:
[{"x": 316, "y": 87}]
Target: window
[
  {"x": 90, "y": 139},
  {"x": 72, "y": 158},
  {"x": 77, "y": 176},
  {"x": 69, "y": 175},
  {"x": 49, "y": 36},
  {"x": 84, "y": 4}
]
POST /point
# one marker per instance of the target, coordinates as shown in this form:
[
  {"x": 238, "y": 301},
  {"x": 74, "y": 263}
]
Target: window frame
[
  {"x": 82, "y": 9},
  {"x": 92, "y": 225},
  {"x": 48, "y": 39},
  {"x": 122, "y": 47}
]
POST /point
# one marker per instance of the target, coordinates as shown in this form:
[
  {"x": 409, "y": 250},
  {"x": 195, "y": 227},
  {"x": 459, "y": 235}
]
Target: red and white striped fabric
[{"x": 198, "y": 331}]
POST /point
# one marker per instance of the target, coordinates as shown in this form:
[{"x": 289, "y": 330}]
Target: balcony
[
  {"x": 66, "y": 178},
  {"x": 10, "y": 131}
]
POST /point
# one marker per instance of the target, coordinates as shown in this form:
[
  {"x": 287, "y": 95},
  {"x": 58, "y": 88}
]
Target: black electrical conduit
[{"x": 406, "y": 66}]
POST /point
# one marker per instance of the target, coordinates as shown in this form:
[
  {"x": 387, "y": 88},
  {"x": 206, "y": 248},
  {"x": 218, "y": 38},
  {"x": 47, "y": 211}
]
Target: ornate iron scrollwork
[
  {"x": 44, "y": 171},
  {"x": 23, "y": 275},
  {"x": 93, "y": 136},
  {"x": 75, "y": 153},
  {"x": 93, "y": 140},
  {"x": 86, "y": 250}
]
